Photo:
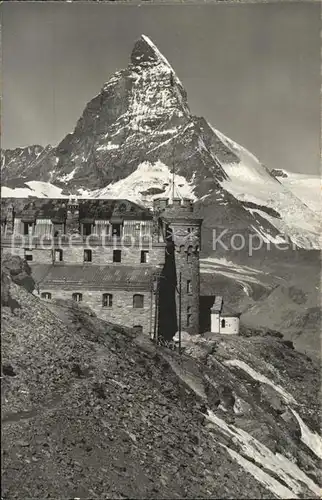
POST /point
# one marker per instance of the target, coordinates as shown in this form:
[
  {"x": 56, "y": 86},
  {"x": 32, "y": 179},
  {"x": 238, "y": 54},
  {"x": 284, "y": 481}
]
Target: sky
[{"x": 252, "y": 70}]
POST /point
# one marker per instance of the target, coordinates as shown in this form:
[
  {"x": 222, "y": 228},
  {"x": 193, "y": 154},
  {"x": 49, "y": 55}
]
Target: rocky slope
[
  {"x": 138, "y": 128},
  {"x": 90, "y": 411},
  {"x": 279, "y": 290}
]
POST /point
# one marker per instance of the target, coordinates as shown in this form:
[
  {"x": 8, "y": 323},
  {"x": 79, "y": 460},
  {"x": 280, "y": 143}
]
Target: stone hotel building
[{"x": 133, "y": 266}]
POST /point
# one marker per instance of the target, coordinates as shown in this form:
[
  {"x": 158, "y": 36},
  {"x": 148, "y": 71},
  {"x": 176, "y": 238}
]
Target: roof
[
  {"x": 115, "y": 276},
  {"x": 44, "y": 208},
  {"x": 220, "y": 307},
  {"x": 218, "y": 304},
  {"x": 39, "y": 271}
]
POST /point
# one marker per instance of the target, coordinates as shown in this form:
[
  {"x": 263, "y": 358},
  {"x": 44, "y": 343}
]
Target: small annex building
[{"x": 223, "y": 319}]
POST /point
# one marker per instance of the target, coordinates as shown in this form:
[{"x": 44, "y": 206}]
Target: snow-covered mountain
[
  {"x": 136, "y": 131},
  {"x": 306, "y": 187}
]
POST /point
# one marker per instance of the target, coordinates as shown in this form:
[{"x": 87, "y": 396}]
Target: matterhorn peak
[{"x": 145, "y": 51}]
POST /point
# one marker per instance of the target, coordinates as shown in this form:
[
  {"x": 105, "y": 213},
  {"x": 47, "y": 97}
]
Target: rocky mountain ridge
[{"x": 138, "y": 129}]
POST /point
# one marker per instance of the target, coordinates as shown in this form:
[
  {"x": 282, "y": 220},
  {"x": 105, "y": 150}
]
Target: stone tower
[{"x": 180, "y": 228}]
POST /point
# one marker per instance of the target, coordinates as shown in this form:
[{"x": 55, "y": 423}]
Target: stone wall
[
  {"x": 229, "y": 325},
  {"x": 101, "y": 255},
  {"x": 189, "y": 271},
  {"x": 42, "y": 256},
  {"x": 122, "y": 311},
  {"x": 104, "y": 255}
]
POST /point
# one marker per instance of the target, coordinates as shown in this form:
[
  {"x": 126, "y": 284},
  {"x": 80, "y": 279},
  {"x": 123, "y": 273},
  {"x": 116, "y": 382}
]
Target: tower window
[
  {"x": 87, "y": 255},
  {"x": 189, "y": 254},
  {"x": 189, "y": 289},
  {"x": 58, "y": 255},
  {"x": 223, "y": 323},
  {"x": 188, "y": 316},
  {"x": 138, "y": 301},
  {"x": 46, "y": 295},
  {"x": 117, "y": 255},
  {"x": 107, "y": 300},
  {"x": 144, "y": 256},
  {"x": 28, "y": 254},
  {"x": 78, "y": 297}
]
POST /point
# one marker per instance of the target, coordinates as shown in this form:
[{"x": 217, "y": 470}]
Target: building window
[
  {"x": 78, "y": 297},
  {"x": 189, "y": 229},
  {"x": 28, "y": 254},
  {"x": 188, "y": 316},
  {"x": 87, "y": 255},
  {"x": 46, "y": 295},
  {"x": 87, "y": 229},
  {"x": 116, "y": 255},
  {"x": 107, "y": 300},
  {"x": 116, "y": 230},
  {"x": 138, "y": 301},
  {"x": 223, "y": 323},
  {"x": 58, "y": 255},
  {"x": 27, "y": 228},
  {"x": 137, "y": 226},
  {"x": 144, "y": 256},
  {"x": 189, "y": 289},
  {"x": 189, "y": 254},
  {"x": 138, "y": 329}
]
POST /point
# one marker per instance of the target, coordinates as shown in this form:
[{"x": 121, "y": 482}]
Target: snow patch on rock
[
  {"x": 145, "y": 177},
  {"x": 261, "y": 378},
  {"x": 67, "y": 177},
  {"x": 268, "y": 481},
  {"x": 306, "y": 187},
  {"x": 241, "y": 274},
  {"x": 288, "y": 472},
  {"x": 108, "y": 147},
  {"x": 33, "y": 188},
  {"x": 311, "y": 439}
]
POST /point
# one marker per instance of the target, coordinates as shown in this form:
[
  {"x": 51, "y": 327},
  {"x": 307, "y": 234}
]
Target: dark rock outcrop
[{"x": 18, "y": 270}]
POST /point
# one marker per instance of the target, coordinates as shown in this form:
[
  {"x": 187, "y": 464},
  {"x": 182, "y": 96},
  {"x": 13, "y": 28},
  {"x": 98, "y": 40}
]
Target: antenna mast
[{"x": 173, "y": 175}]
